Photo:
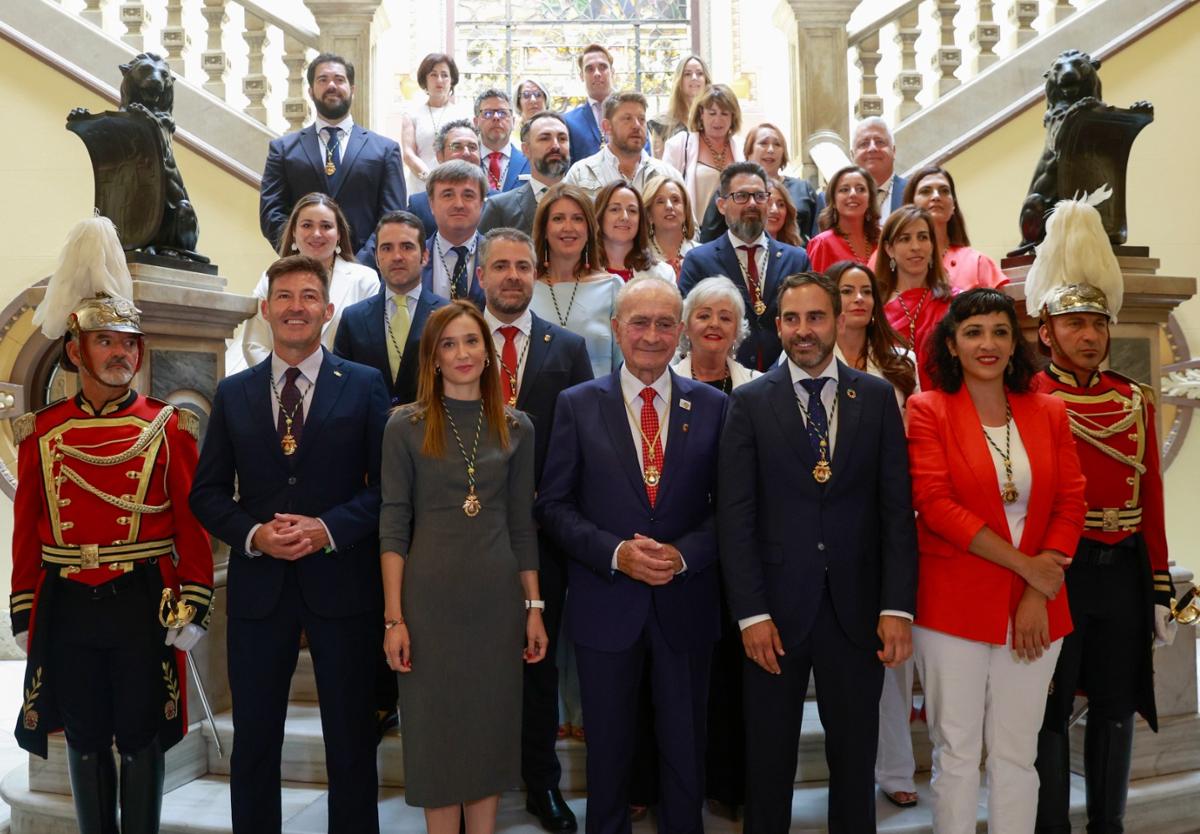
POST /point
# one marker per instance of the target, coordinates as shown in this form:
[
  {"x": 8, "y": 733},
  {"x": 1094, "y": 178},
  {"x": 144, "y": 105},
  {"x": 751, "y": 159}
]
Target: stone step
[{"x": 1163, "y": 805}]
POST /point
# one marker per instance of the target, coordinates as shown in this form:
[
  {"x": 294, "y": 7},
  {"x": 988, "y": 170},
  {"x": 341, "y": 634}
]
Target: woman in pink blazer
[{"x": 1000, "y": 502}]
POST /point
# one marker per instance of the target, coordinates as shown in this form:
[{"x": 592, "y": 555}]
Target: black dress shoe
[{"x": 551, "y": 810}]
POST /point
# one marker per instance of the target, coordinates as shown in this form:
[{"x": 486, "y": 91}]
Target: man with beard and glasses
[
  {"x": 538, "y": 360},
  {"x": 454, "y": 140},
  {"x": 749, "y": 257},
  {"x": 818, "y": 549},
  {"x": 358, "y": 168},
  {"x": 503, "y": 163},
  {"x": 104, "y": 542},
  {"x": 546, "y": 142},
  {"x": 625, "y": 156},
  {"x": 377, "y": 331}
]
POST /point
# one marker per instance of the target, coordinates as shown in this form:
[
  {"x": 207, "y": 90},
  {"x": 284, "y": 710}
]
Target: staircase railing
[{"x": 908, "y": 58}]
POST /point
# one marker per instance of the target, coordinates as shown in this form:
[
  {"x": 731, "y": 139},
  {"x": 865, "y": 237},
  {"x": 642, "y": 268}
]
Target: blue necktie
[
  {"x": 818, "y": 423},
  {"x": 458, "y": 286},
  {"x": 333, "y": 145}
]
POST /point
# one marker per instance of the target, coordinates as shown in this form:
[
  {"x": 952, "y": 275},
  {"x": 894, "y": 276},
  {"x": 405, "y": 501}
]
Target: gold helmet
[
  {"x": 105, "y": 312},
  {"x": 1077, "y": 298}
]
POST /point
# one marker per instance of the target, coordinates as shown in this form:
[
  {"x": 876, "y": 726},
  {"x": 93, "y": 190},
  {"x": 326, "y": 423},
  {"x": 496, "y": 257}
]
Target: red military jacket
[
  {"x": 1113, "y": 421},
  {"x": 85, "y": 504}
]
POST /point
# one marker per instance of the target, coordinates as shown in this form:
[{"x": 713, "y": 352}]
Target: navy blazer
[
  {"x": 761, "y": 348},
  {"x": 583, "y": 131},
  {"x": 361, "y": 338},
  {"x": 418, "y": 204},
  {"x": 784, "y": 536},
  {"x": 368, "y": 184},
  {"x": 592, "y": 497},
  {"x": 475, "y": 292},
  {"x": 556, "y": 360},
  {"x": 518, "y": 164},
  {"x": 514, "y": 209},
  {"x": 244, "y": 478}
]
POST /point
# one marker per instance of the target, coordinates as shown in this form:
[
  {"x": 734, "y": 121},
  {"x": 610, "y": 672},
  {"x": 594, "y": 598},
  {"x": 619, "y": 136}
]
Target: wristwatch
[
  {"x": 535, "y": 603},
  {"x": 387, "y": 624}
]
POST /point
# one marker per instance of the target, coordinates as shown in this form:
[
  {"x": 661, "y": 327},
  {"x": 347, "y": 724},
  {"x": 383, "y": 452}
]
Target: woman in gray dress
[{"x": 459, "y": 560}]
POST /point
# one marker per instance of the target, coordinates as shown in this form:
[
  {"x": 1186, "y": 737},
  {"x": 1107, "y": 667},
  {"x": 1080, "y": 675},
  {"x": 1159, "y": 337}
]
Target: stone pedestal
[{"x": 821, "y": 51}]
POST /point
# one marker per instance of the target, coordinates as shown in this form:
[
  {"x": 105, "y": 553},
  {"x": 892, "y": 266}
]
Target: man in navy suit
[
  {"x": 749, "y": 257},
  {"x": 502, "y": 161},
  {"x": 546, "y": 142},
  {"x": 376, "y": 331},
  {"x": 596, "y": 72},
  {"x": 627, "y": 493},
  {"x": 819, "y": 554},
  {"x": 454, "y": 140},
  {"x": 874, "y": 151},
  {"x": 456, "y": 192},
  {"x": 538, "y": 360},
  {"x": 358, "y": 168},
  {"x": 289, "y": 479}
]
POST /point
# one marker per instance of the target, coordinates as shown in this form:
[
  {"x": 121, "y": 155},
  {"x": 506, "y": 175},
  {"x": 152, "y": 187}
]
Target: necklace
[
  {"x": 562, "y": 320},
  {"x": 822, "y": 472},
  {"x": 865, "y": 256},
  {"x": 1008, "y": 492},
  {"x": 288, "y": 441},
  {"x": 718, "y": 156},
  {"x": 752, "y": 284},
  {"x": 726, "y": 382},
  {"x": 912, "y": 316},
  {"x": 471, "y": 505},
  {"x": 651, "y": 474},
  {"x": 429, "y": 107},
  {"x": 512, "y": 374}
]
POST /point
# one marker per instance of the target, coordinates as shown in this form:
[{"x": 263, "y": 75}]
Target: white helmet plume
[{"x": 92, "y": 261}]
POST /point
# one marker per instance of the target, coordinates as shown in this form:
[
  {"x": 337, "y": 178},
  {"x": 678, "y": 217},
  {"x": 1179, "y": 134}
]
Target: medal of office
[
  {"x": 288, "y": 444},
  {"x": 330, "y": 169},
  {"x": 1009, "y": 494},
  {"x": 821, "y": 472},
  {"x": 471, "y": 505},
  {"x": 759, "y": 307},
  {"x": 652, "y": 475}
]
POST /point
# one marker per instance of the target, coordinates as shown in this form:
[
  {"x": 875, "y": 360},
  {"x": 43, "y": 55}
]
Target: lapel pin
[
  {"x": 686, "y": 405},
  {"x": 851, "y": 393},
  {"x": 684, "y": 428},
  {"x": 337, "y": 373},
  {"x": 546, "y": 338},
  {"x": 779, "y": 254}
]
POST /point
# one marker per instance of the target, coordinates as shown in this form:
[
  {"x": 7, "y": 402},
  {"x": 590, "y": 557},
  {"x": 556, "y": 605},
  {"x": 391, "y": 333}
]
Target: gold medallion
[
  {"x": 651, "y": 476},
  {"x": 1009, "y": 494},
  {"x": 288, "y": 444},
  {"x": 759, "y": 307},
  {"x": 821, "y": 472},
  {"x": 330, "y": 169},
  {"x": 471, "y": 505},
  {"x": 512, "y": 400}
]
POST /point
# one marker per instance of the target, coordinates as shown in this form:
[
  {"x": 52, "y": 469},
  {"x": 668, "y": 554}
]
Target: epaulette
[
  {"x": 1149, "y": 393},
  {"x": 189, "y": 422},
  {"x": 23, "y": 426}
]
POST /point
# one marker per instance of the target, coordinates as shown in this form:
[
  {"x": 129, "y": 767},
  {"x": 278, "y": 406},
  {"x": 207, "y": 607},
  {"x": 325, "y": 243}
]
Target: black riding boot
[
  {"x": 94, "y": 787},
  {"x": 1107, "y": 754},
  {"x": 142, "y": 790},
  {"x": 1054, "y": 777}
]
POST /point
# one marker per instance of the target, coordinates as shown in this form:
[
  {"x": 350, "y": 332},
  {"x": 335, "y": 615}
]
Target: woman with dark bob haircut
[{"x": 1000, "y": 505}]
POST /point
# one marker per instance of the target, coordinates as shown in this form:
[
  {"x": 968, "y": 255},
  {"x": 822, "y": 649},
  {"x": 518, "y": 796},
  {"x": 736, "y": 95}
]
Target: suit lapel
[
  {"x": 354, "y": 144},
  {"x": 675, "y": 447},
  {"x": 616, "y": 420},
  {"x": 849, "y": 417},
  {"x": 787, "y": 412},
  {"x": 257, "y": 388},
  {"x": 772, "y": 278},
  {"x": 539, "y": 347},
  {"x": 966, "y": 432},
  {"x": 528, "y": 208},
  {"x": 728, "y": 259},
  {"x": 591, "y": 120},
  {"x": 330, "y": 381},
  {"x": 312, "y": 149},
  {"x": 374, "y": 329},
  {"x": 427, "y": 270}
]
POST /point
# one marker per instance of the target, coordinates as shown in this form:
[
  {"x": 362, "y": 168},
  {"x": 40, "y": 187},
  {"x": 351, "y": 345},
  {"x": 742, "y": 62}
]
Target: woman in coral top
[
  {"x": 1000, "y": 503},
  {"x": 849, "y": 222}
]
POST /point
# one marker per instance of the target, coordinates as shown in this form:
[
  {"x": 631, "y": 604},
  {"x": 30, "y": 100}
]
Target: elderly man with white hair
[{"x": 874, "y": 148}]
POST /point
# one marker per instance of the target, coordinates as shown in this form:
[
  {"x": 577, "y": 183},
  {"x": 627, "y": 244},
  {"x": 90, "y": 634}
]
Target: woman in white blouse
[{"x": 709, "y": 145}]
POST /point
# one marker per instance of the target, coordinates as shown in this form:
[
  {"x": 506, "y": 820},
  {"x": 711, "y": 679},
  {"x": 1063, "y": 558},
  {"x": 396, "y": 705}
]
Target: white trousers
[
  {"x": 976, "y": 694},
  {"x": 894, "y": 763}
]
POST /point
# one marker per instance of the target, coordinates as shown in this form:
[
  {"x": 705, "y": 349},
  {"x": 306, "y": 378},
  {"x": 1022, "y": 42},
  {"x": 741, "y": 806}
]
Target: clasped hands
[
  {"x": 764, "y": 646},
  {"x": 1043, "y": 575},
  {"x": 289, "y": 537},
  {"x": 646, "y": 560}
]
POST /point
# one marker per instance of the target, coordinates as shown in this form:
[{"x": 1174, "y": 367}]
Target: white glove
[
  {"x": 1164, "y": 626},
  {"x": 22, "y": 638},
  {"x": 185, "y": 639}
]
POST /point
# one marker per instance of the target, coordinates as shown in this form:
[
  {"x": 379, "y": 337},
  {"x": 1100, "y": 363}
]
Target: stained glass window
[{"x": 500, "y": 42}]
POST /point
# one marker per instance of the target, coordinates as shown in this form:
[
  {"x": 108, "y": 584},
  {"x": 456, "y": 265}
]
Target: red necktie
[
  {"x": 508, "y": 363},
  {"x": 494, "y": 170},
  {"x": 652, "y": 459},
  {"x": 754, "y": 286}
]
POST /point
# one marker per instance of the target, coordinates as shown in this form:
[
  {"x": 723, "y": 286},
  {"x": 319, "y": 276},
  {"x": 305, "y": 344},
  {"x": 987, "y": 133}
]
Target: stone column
[
  {"x": 345, "y": 29},
  {"x": 823, "y": 88}
]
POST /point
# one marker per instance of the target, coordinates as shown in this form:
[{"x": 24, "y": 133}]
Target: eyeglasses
[
  {"x": 641, "y": 324},
  {"x": 743, "y": 197},
  {"x": 461, "y": 147},
  {"x": 495, "y": 114},
  {"x": 529, "y": 95}
]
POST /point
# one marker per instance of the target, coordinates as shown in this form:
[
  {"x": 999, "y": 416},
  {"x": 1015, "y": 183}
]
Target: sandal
[{"x": 901, "y": 799}]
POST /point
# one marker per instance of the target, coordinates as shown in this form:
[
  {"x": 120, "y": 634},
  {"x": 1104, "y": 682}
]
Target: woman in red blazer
[{"x": 1000, "y": 502}]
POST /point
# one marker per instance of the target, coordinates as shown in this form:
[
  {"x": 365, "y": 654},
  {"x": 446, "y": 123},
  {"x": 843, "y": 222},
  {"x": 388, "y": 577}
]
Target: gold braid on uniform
[
  {"x": 139, "y": 445},
  {"x": 1086, "y": 430},
  {"x": 128, "y": 506}
]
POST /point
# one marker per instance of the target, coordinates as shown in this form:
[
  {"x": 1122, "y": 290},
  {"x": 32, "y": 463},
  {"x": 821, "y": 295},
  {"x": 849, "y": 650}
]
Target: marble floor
[{"x": 11, "y": 756}]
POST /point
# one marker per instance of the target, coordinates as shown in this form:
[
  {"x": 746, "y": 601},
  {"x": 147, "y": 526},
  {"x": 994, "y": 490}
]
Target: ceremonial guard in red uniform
[
  {"x": 1118, "y": 585},
  {"x": 105, "y": 550}
]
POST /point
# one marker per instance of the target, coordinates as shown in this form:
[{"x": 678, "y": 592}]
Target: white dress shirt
[
  {"x": 346, "y": 125},
  {"x": 310, "y": 368},
  {"x": 762, "y": 259},
  {"x": 444, "y": 259},
  {"x": 411, "y": 298},
  {"x": 524, "y": 325}
]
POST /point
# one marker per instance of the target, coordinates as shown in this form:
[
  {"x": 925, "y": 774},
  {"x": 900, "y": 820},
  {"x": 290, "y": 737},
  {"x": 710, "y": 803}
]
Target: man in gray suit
[{"x": 545, "y": 140}]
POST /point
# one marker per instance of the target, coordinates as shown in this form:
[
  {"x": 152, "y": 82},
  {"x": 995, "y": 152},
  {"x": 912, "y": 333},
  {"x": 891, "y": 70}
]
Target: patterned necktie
[
  {"x": 818, "y": 423},
  {"x": 458, "y": 284},
  {"x": 398, "y": 328},
  {"x": 333, "y": 149},
  {"x": 289, "y": 405},
  {"x": 508, "y": 363},
  {"x": 494, "y": 170},
  {"x": 652, "y": 459}
]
